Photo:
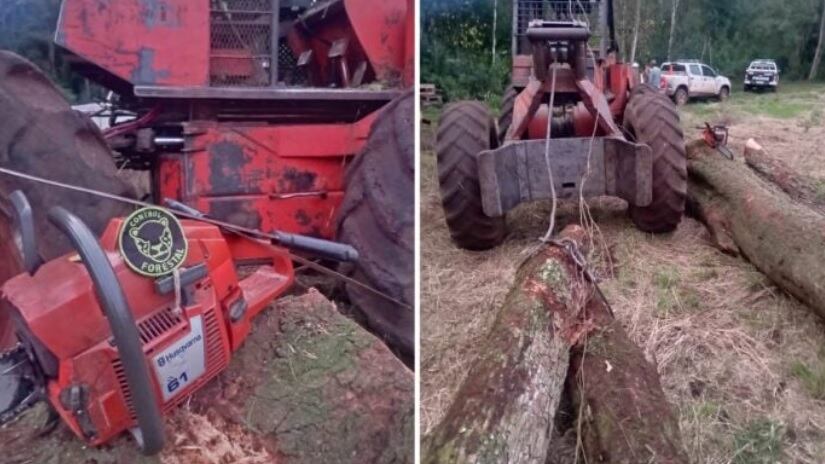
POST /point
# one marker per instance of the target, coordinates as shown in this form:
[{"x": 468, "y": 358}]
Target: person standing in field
[{"x": 654, "y": 75}]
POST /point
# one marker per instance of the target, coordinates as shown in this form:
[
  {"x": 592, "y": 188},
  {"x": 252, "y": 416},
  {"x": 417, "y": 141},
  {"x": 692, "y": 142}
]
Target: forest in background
[
  {"x": 465, "y": 44},
  {"x": 27, "y": 28}
]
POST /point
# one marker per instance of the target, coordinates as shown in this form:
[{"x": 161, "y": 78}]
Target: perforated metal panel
[
  {"x": 587, "y": 11},
  {"x": 241, "y": 43}
]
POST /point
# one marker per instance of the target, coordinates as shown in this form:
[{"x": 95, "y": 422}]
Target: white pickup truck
[{"x": 683, "y": 80}]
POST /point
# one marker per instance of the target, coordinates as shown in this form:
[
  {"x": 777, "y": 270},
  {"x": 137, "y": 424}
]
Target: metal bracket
[{"x": 517, "y": 172}]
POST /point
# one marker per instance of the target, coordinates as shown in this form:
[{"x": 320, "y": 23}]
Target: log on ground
[
  {"x": 504, "y": 411},
  {"x": 308, "y": 386},
  {"x": 783, "y": 238},
  {"x": 623, "y": 414},
  {"x": 798, "y": 186}
]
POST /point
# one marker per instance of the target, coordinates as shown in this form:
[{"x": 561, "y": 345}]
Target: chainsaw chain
[{"x": 34, "y": 395}]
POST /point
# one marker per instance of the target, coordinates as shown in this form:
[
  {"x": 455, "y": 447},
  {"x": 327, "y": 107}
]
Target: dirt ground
[{"x": 742, "y": 363}]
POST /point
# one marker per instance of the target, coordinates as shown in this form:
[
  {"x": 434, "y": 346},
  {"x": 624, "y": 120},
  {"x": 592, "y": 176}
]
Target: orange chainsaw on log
[{"x": 123, "y": 330}]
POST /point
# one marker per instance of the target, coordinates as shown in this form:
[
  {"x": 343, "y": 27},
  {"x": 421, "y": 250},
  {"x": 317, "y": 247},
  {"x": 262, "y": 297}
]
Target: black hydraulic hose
[{"x": 124, "y": 330}]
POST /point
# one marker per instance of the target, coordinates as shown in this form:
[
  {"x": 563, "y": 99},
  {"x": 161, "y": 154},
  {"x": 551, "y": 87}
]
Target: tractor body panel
[
  {"x": 283, "y": 177},
  {"x": 239, "y": 43},
  {"x": 249, "y": 110}
]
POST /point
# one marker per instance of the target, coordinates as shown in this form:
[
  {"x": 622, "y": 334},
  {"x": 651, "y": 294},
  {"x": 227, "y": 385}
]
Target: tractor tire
[
  {"x": 41, "y": 135},
  {"x": 506, "y": 117},
  {"x": 654, "y": 120},
  {"x": 466, "y": 129},
  {"x": 377, "y": 217}
]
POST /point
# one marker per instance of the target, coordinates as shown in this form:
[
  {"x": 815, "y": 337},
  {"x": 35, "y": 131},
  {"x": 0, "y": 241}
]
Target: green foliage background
[
  {"x": 27, "y": 28},
  {"x": 457, "y": 35}
]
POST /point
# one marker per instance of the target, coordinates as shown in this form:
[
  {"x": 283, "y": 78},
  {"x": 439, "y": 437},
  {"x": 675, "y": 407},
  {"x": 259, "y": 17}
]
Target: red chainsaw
[{"x": 127, "y": 327}]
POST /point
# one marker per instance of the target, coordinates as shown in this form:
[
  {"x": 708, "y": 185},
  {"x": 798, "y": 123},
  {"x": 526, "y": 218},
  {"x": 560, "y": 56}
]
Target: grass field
[{"x": 742, "y": 363}]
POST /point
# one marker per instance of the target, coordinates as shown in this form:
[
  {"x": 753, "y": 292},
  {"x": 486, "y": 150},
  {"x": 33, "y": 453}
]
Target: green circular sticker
[{"x": 152, "y": 243}]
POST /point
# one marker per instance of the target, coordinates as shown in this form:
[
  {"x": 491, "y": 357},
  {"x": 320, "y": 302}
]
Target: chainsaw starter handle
[{"x": 124, "y": 329}]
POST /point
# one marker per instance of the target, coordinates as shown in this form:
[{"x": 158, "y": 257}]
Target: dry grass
[{"x": 742, "y": 363}]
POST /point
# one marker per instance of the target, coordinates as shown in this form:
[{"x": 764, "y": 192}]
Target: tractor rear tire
[
  {"x": 466, "y": 129},
  {"x": 654, "y": 120},
  {"x": 377, "y": 217},
  {"x": 41, "y": 135},
  {"x": 506, "y": 118}
]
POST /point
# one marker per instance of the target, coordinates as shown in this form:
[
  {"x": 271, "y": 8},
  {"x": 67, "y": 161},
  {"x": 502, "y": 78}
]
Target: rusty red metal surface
[
  {"x": 154, "y": 42},
  {"x": 286, "y": 177},
  {"x": 192, "y": 43}
]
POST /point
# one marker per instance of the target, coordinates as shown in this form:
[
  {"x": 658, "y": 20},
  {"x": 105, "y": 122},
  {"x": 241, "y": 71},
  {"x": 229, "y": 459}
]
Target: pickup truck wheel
[
  {"x": 466, "y": 129},
  {"x": 653, "y": 120},
  {"x": 747, "y": 88},
  {"x": 681, "y": 96},
  {"x": 724, "y": 94}
]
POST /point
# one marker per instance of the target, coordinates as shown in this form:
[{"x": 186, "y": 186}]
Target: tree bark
[
  {"x": 674, "y": 9},
  {"x": 623, "y": 412},
  {"x": 818, "y": 53},
  {"x": 783, "y": 238},
  {"x": 798, "y": 186},
  {"x": 504, "y": 410}
]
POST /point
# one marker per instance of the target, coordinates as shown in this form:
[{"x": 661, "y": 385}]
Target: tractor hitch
[{"x": 517, "y": 172}]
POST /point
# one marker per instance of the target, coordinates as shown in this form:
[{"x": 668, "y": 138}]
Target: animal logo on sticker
[{"x": 152, "y": 243}]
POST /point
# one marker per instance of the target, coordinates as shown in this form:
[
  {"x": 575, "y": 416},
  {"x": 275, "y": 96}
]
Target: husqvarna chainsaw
[{"x": 128, "y": 326}]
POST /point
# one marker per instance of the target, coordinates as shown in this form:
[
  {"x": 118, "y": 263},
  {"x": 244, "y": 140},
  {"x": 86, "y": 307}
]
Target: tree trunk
[
  {"x": 818, "y": 53},
  {"x": 798, "y": 186},
  {"x": 782, "y": 238},
  {"x": 505, "y": 409},
  {"x": 625, "y": 417},
  {"x": 637, "y": 20},
  {"x": 495, "y": 27},
  {"x": 308, "y": 386},
  {"x": 674, "y": 9}
]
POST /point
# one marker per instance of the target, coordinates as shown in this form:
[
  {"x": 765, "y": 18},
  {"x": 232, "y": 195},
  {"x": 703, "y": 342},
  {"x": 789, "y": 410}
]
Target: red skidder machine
[
  {"x": 575, "y": 122},
  {"x": 293, "y": 116},
  {"x": 276, "y": 128}
]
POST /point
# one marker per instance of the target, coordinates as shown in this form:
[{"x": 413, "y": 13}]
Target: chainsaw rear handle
[{"x": 150, "y": 437}]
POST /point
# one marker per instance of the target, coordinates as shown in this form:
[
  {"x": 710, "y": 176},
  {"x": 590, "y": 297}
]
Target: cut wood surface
[
  {"x": 798, "y": 186},
  {"x": 783, "y": 238},
  {"x": 308, "y": 386},
  {"x": 505, "y": 409}
]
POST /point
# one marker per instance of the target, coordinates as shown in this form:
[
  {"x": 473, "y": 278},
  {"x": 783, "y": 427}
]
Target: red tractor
[
  {"x": 291, "y": 115},
  {"x": 575, "y": 121}
]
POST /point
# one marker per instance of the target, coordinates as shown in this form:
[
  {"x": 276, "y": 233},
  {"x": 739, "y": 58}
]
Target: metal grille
[
  {"x": 586, "y": 11},
  {"x": 288, "y": 69},
  {"x": 241, "y": 43},
  {"x": 216, "y": 359}
]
